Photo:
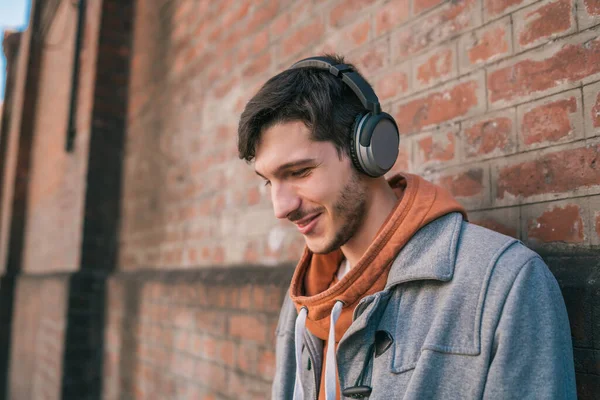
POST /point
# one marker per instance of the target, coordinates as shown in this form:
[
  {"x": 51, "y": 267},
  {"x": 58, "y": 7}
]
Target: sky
[{"x": 14, "y": 14}]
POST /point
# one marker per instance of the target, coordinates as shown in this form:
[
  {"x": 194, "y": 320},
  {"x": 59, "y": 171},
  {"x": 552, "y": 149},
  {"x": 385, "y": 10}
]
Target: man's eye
[
  {"x": 301, "y": 172},
  {"x": 267, "y": 183}
]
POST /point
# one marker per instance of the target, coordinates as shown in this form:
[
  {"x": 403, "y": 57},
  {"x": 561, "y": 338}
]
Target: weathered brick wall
[
  {"x": 192, "y": 335},
  {"x": 9, "y": 137},
  {"x": 497, "y": 100},
  {"x": 38, "y": 341},
  {"x": 57, "y": 178},
  {"x": 52, "y": 313}
]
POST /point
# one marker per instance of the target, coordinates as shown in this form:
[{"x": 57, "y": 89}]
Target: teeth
[{"x": 307, "y": 222}]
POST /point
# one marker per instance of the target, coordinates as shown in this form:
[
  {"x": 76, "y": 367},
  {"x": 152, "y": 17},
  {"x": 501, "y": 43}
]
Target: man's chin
[{"x": 318, "y": 247}]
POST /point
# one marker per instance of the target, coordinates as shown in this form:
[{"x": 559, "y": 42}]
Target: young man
[{"x": 401, "y": 297}]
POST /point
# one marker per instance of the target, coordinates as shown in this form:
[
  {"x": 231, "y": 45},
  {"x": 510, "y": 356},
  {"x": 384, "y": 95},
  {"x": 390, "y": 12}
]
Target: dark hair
[{"x": 326, "y": 105}]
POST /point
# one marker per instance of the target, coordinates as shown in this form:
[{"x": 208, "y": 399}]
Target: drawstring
[
  {"x": 299, "y": 334},
  {"x": 382, "y": 341},
  {"x": 330, "y": 362},
  {"x": 359, "y": 390}
]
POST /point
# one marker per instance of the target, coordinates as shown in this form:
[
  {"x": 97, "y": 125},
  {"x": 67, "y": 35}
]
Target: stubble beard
[{"x": 349, "y": 208}]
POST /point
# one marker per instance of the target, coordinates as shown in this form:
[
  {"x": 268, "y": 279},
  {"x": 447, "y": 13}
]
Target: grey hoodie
[{"x": 466, "y": 313}]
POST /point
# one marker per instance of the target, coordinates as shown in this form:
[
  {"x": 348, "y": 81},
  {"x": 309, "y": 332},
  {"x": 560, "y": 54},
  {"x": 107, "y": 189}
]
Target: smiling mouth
[{"x": 305, "y": 226}]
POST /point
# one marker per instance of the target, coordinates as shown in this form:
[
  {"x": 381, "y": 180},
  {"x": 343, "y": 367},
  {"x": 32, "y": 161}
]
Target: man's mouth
[{"x": 307, "y": 224}]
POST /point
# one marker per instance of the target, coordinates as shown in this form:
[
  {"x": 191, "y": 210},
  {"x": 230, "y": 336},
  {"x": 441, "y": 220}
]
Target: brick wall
[
  {"x": 192, "y": 335},
  {"x": 496, "y": 100},
  {"x": 38, "y": 344},
  {"x": 57, "y": 178},
  {"x": 62, "y": 205}
]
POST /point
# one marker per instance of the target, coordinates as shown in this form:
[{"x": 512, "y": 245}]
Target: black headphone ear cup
[{"x": 354, "y": 138}]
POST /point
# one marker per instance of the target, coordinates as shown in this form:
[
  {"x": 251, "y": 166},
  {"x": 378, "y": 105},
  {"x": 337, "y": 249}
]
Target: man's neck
[{"x": 380, "y": 205}]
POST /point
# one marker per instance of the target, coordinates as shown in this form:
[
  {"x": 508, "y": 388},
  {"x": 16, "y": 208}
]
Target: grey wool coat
[{"x": 467, "y": 313}]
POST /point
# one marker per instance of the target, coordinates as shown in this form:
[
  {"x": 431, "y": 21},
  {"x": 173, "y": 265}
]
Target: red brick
[
  {"x": 259, "y": 297},
  {"x": 245, "y": 301},
  {"x": 220, "y": 7},
  {"x": 592, "y": 7},
  {"x": 247, "y": 357},
  {"x": 443, "y": 23},
  {"x": 222, "y": 89},
  {"x": 214, "y": 375},
  {"x": 592, "y": 115},
  {"x": 235, "y": 15},
  {"x": 182, "y": 11},
  {"x": 291, "y": 15},
  {"x": 422, "y": 5},
  {"x": 348, "y": 38},
  {"x": 181, "y": 340},
  {"x": 549, "y": 122},
  {"x": 185, "y": 366},
  {"x": 261, "y": 16},
  {"x": 210, "y": 321},
  {"x": 220, "y": 68},
  {"x": 254, "y": 45},
  {"x": 272, "y": 252},
  {"x": 302, "y": 37},
  {"x": 201, "y": 28},
  {"x": 266, "y": 365},
  {"x": 391, "y": 15},
  {"x": 438, "y": 107},
  {"x": 251, "y": 254},
  {"x": 218, "y": 256},
  {"x": 247, "y": 327},
  {"x": 273, "y": 299},
  {"x": 360, "y": 33},
  {"x": 227, "y": 352},
  {"x": 588, "y": 13},
  {"x": 209, "y": 348},
  {"x": 571, "y": 63},
  {"x": 196, "y": 343},
  {"x": 557, "y": 172},
  {"x": 436, "y": 147},
  {"x": 281, "y": 24},
  {"x": 542, "y": 22},
  {"x": 372, "y": 59},
  {"x": 273, "y": 327},
  {"x": 487, "y": 136},
  {"x": 486, "y": 44},
  {"x": 391, "y": 84},
  {"x": 435, "y": 67},
  {"x": 559, "y": 224},
  {"x": 496, "y": 7},
  {"x": 345, "y": 11},
  {"x": 465, "y": 184},
  {"x": 497, "y": 226},
  {"x": 258, "y": 65}
]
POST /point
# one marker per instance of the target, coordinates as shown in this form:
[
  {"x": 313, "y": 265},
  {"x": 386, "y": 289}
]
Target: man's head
[{"x": 297, "y": 131}]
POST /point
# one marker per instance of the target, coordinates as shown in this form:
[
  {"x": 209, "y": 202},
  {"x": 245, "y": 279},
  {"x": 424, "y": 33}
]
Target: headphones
[{"x": 374, "y": 137}]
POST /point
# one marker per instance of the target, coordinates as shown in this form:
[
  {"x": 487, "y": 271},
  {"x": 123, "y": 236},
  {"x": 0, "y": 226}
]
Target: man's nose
[{"x": 284, "y": 200}]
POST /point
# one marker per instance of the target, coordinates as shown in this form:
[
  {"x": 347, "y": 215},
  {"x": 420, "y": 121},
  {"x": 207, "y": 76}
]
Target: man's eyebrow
[{"x": 289, "y": 165}]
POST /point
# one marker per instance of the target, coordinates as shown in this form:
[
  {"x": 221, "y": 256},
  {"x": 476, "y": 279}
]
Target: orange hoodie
[{"x": 314, "y": 284}]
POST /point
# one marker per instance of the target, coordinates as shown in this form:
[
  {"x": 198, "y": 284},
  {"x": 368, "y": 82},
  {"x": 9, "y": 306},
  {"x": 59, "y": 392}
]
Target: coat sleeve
[
  {"x": 532, "y": 352},
  {"x": 285, "y": 357}
]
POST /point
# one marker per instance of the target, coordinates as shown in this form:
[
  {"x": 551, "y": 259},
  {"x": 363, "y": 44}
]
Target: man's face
[{"x": 324, "y": 196}]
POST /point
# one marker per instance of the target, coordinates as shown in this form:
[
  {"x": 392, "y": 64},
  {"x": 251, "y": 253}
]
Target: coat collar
[{"x": 430, "y": 253}]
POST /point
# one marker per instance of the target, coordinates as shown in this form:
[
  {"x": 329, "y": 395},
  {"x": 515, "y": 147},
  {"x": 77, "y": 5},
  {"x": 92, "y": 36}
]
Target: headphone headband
[{"x": 349, "y": 76}]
